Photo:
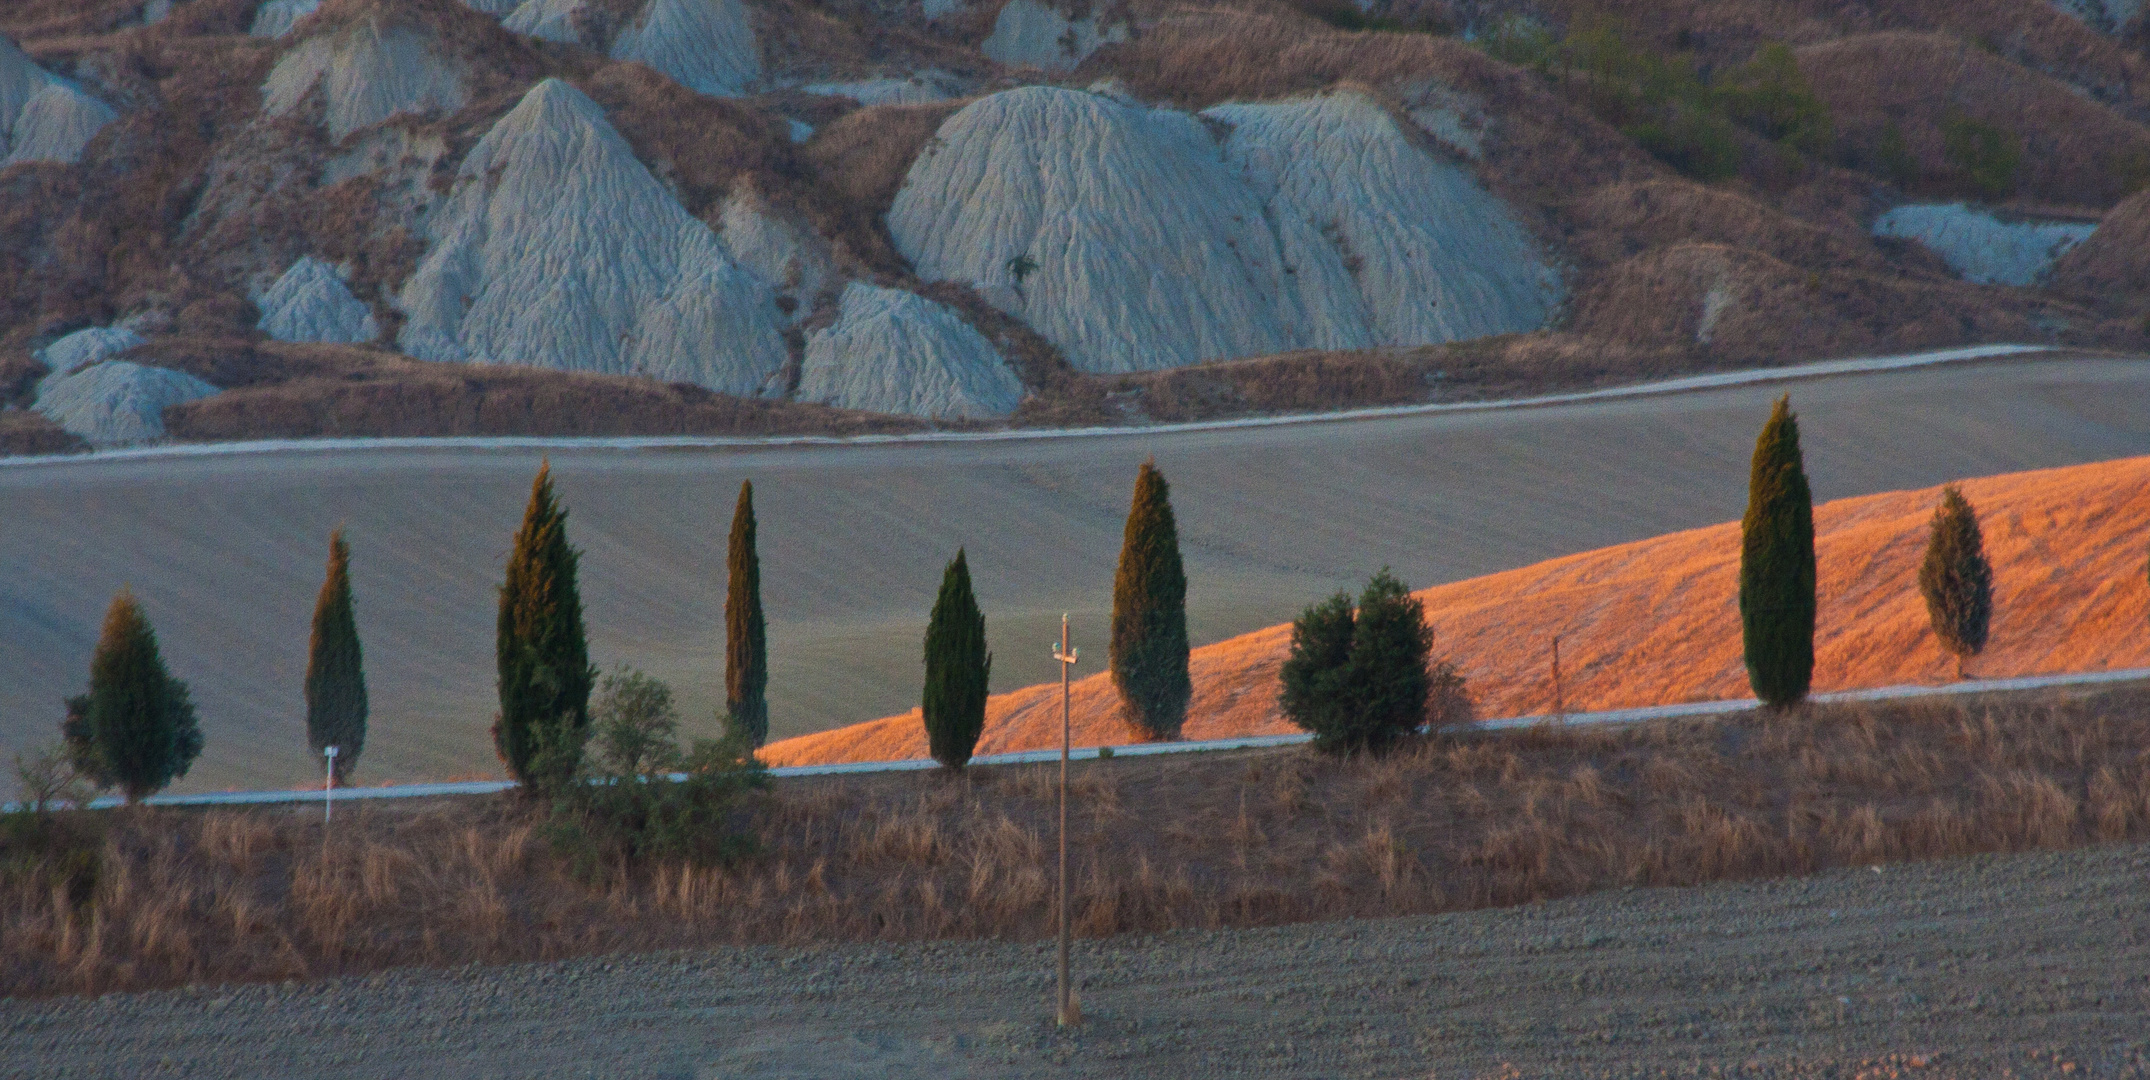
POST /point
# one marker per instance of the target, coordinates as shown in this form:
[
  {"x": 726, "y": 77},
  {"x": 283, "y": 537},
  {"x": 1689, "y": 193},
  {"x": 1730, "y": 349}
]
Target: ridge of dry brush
[{"x": 1158, "y": 843}]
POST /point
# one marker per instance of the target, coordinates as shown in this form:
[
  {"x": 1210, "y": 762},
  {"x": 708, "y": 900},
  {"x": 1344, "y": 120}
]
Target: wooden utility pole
[{"x": 1069, "y": 1013}]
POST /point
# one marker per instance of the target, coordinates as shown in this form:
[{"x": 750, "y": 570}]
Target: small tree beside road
[
  {"x": 1361, "y": 676},
  {"x": 1956, "y": 580},
  {"x": 335, "y": 668},
  {"x": 136, "y": 727},
  {"x": 1776, "y": 565},
  {"x": 746, "y": 643},
  {"x": 958, "y": 668},
  {"x": 541, "y": 651},
  {"x": 1149, "y": 655}
]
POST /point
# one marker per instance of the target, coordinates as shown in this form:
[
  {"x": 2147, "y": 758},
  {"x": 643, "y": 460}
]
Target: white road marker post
[
  {"x": 328, "y": 789},
  {"x": 1069, "y": 1013}
]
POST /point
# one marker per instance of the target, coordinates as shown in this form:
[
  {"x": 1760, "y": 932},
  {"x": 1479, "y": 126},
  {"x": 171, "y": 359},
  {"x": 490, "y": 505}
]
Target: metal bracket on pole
[{"x": 1069, "y": 1012}]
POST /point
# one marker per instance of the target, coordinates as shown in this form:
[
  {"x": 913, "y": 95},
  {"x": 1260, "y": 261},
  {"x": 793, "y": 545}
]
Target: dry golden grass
[
  {"x": 2109, "y": 268},
  {"x": 1157, "y": 843},
  {"x": 1656, "y": 621}
]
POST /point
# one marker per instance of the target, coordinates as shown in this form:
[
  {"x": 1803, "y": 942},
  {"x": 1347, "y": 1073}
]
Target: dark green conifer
[
  {"x": 544, "y": 661},
  {"x": 335, "y": 668},
  {"x": 1359, "y": 677},
  {"x": 1149, "y": 614},
  {"x": 139, "y": 721},
  {"x": 1776, "y": 567},
  {"x": 1956, "y": 580},
  {"x": 957, "y": 669},
  {"x": 746, "y": 646}
]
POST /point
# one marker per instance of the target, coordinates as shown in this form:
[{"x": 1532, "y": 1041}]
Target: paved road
[
  {"x": 2021, "y": 966},
  {"x": 226, "y": 551}
]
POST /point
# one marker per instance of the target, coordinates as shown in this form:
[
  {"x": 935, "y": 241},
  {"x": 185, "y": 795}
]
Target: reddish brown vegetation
[
  {"x": 26, "y": 432},
  {"x": 1159, "y": 843},
  {"x": 2075, "y": 151},
  {"x": 310, "y": 391}
]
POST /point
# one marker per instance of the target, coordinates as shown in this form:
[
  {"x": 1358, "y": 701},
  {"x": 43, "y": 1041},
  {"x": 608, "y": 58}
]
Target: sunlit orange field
[{"x": 1656, "y": 622}]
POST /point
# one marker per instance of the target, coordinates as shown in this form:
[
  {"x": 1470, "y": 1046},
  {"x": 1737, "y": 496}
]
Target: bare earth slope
[
  {"x": 1926, "y": 970},
  {"x": 227, "y": 552},
  {"x": 1657, "y": 621}
]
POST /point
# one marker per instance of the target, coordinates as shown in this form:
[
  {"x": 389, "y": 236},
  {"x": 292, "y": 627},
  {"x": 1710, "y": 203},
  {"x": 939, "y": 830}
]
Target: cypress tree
[
  {"x": 1149, "y": 614},
  {"x": 335, "y": 668},
  {"x": 141, "y": 725},
  {"x": 957, "y": 667},
  {"x": 1776, "y": 566},
  {"x": 544, "y": 661},
  {"x": 1956, "y": 579},
  {"x": 746, "y": 647}
]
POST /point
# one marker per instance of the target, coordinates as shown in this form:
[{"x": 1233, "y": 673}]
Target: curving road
[{"x": 226, "y": 549}]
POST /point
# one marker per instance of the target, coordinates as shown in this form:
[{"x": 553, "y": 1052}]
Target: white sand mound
[
  {"x": 550, "y": 20},
  {"x": 558, "y": 249},
  {"x": 1116, "y": 232},
  {"x": 1435, "y": 257},
  {"x": 1028, "y": 33},
  {"x": 892, "y": 351},
  {"x": 367, "y": 74},
  {"x": 85, "y": 347},
  {"x": 275, "y": 18},
  {"x": 706, "y": 46},
  {"x": 310, "y": 302},
  {"x": 42, "y": 116},
  {"x": 1980, "y": 247},
  {"x": 1140, "y": 247},
  {"x": 918, "y": 89},
  {"x": 117, "y": 401},
  {"x": 791, "y": 258}
]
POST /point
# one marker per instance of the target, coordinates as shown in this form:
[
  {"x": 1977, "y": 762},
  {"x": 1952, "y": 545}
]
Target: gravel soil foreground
[{"x": 2027, "y": 965}]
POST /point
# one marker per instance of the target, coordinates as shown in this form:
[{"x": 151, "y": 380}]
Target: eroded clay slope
[{"x": 558, "y": 249}]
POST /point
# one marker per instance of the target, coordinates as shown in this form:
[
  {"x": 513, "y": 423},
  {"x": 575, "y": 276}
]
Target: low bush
[
  {"x": 640, "y": 799},
  {"x": 1361, "y": 676}
]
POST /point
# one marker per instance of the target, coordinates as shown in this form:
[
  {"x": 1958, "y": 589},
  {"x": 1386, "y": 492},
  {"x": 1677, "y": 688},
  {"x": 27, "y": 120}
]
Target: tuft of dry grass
[{"x": 1158, "y": 843}]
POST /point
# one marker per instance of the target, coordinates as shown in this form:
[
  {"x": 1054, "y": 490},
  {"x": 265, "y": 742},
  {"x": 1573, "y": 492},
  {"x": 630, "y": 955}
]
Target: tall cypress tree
[
  {"x": 544, "y": 661},
  {"x": 957, "y": 667},
  {"x": 335, "y": 668},
  {"x": 1776, "y": 566},
  {"x": 1149, "y": 614},
  {"x": 141, "y": 725},
  {"x": 746, "y": 646},
  {"x": 1956, "y": 580}
]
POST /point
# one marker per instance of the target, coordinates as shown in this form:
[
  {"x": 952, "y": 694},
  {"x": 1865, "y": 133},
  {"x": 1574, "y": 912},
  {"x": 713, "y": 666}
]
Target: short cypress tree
[
  {"x": 335, "y": 668},
  {"x": 746, "y": 646},
  {"x": 1956, "y": 580},
  {"x": 1360, "y": 677},
  {"x": 544, "y": 661},
  {"x": 957, "y": 667},
  {"x": 140, "y": 722},
  {"x": 1149, "y": 614},
  {"x": 1776, "y": 566}
]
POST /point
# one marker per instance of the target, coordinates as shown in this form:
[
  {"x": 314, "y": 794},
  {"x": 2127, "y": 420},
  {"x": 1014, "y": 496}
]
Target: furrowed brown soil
[{"x": 1461, "y": 822}]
